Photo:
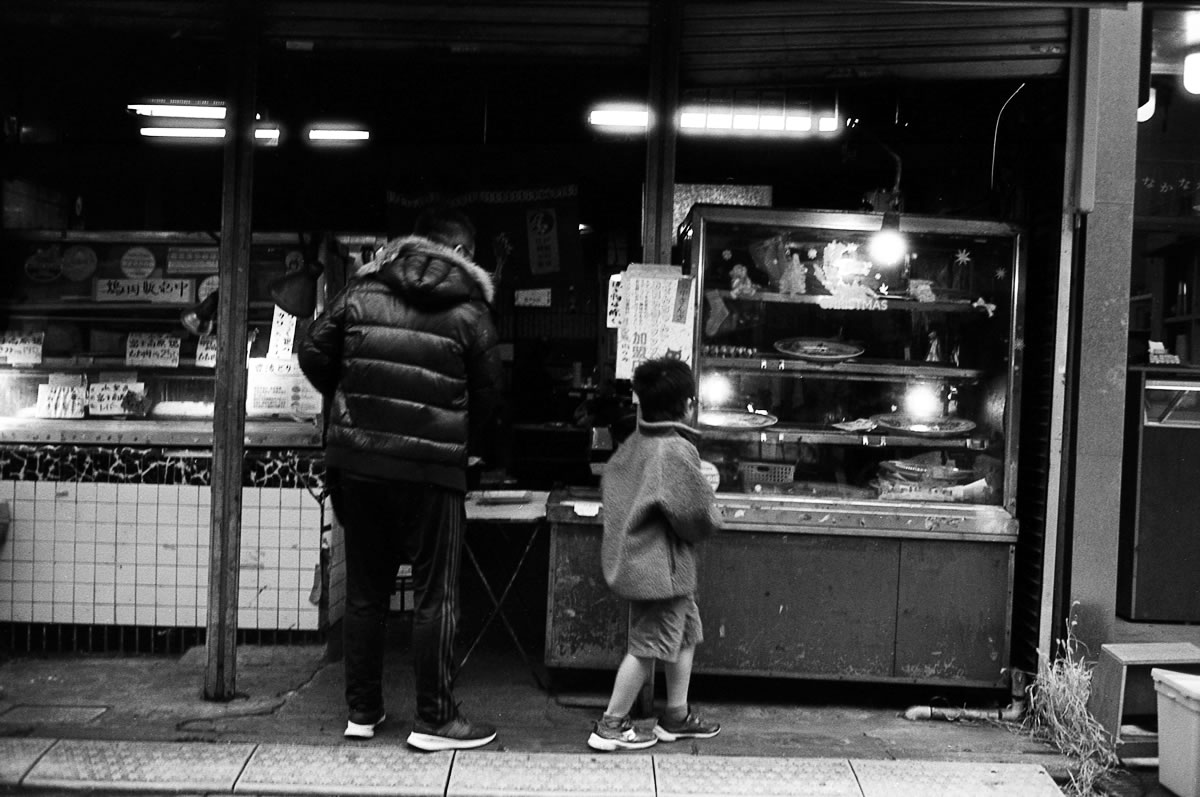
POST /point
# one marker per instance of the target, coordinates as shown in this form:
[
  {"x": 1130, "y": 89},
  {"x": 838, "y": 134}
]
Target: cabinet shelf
[
  {"x": 859, "y": 369},
  {"x": 782, "y": 433},
  {"x": 881, "y": 303}
]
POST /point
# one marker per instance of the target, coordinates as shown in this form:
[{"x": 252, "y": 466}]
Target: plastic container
[
  {"x": 1178, "y": 731},
  {"x": 753, "y": 473}
]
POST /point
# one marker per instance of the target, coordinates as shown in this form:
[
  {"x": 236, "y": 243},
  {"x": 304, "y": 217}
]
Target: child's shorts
[{"x": 660, "y": 629}]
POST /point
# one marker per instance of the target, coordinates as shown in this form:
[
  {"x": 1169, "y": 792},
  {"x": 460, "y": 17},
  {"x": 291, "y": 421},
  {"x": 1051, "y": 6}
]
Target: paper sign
[
  {"x": 288, "y": 366},
  {"x": 206, "y": 351},
  {"x": 116, "y": 398},
  {"x": 21, "y": 348},
  {"x": 614, "y": 302},
  {"x": 152, "y": 349},
  {"x": 542, "y": 227},
  {"x": 61, "y": 401},
  {"x": 532, "y": 297},
  {"x": 158, "y": 291},
  {"x": 193, "y": 259},
  {"x": 278, "y": 387},
  {"x": 283, "y": 335},
  {"x": 657, "y": 317}
]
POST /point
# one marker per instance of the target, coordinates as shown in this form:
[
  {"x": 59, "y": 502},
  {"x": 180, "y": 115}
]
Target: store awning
[{"x": 756, "y": 43}]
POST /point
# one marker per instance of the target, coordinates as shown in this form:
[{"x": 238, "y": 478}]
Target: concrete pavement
[{"x": 113, "y": 724}]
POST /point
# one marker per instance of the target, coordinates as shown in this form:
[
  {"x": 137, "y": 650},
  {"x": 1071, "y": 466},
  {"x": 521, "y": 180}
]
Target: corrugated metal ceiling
[{"x": 763, "y": 42}]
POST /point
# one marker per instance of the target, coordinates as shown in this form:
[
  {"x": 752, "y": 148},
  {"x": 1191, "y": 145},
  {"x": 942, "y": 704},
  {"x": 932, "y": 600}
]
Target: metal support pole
[
  {"x": 229, "y": 418},
  {"x": 666, "y": 34}
]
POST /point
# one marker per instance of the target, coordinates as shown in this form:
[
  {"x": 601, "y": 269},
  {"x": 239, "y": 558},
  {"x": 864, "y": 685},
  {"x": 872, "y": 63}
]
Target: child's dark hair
[
  {"x": 663, "y": 387},
  {"x": 441, "y": 223}
]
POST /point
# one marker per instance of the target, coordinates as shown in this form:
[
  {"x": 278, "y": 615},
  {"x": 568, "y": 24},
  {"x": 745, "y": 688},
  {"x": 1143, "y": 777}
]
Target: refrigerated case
[
  {"x": 860, "y": 407},
  {"x": 1160, "y": 530},
  {"x": 107, "y": 384}
]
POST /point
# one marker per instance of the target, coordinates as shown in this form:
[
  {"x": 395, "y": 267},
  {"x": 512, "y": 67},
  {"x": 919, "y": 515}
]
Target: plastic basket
[{"x": 766, "y": 472}]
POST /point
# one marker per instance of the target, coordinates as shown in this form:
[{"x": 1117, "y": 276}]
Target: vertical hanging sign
[
  {"x": 283, "y": 335},
  {"x": 657, "y": 316},
  {"x": 542, "y": 227}
]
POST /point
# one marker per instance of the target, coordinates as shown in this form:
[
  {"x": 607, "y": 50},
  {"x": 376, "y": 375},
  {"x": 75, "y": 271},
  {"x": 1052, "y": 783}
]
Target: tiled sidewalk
[{"x": 351, "y": 769}]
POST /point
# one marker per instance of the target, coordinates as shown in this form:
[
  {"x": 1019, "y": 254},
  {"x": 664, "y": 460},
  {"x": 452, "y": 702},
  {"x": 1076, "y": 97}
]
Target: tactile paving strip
[
  {"x": 52, "y": 715},
  {"x": 17, "y": 756},
  {"x": 952, "y": 779},
  {"x": 513, "y": 774},
  {"x": 345, "y": 769},
  {"x": 174, "y": 766},
  {"x": 727, "y": 776}
]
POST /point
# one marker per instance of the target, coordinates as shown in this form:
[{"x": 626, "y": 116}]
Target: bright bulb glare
[
  {"x": 715, "y": 390},
  {"x": 1145, "y": 111},
  {"x": 1191, "y": 73},
  {"x": 922, "y": 401},
  {"x": 691, "y": 119},
  {"x": 888, "y": 247},
  {"x": 614, "y": 117},
  {"x": 827, "y": 124},
  {"x": 719, "y": 121},
  {"x": 322, "y": 134}
]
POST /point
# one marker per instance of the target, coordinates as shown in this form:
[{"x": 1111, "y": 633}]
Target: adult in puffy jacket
[{"x": 407, "y": 359}]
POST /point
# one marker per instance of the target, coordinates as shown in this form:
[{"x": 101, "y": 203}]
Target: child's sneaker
[
  {"x": 609, "y": 735},
  {"x": 362, "y": 730},
  {"x": 690, "y": 727}
]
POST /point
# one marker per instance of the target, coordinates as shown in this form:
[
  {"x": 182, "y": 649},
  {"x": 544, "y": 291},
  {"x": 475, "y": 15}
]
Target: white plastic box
[{"x": 1178, "y": 731}]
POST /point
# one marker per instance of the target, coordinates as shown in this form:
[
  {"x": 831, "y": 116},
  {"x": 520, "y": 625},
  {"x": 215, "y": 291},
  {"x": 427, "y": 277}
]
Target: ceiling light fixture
[{"x": 339, "y": 134}]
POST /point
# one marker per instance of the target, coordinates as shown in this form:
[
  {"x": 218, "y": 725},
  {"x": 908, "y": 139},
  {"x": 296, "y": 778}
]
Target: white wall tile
[
  {"x": 44, "y": 490},
  {"x": 105, "y": 615},
  {"x": 26, "y": 490},
  {"x": 125, "y": 614},
  {"x": 127, "y": 494}
]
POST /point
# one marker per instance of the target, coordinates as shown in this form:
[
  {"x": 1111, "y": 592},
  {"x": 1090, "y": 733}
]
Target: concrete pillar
[{"x": 1109, "y": 154}]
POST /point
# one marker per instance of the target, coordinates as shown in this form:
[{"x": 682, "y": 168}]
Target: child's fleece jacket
[{"x": 657, "y": 506}]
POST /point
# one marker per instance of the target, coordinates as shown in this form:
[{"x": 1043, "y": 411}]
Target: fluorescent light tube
[
  {"x": 326, "y": 134},
  {"x": 618, "y": 117},
  {"x": 183, "y": 132},
  {"x": 179, "y": 111}
]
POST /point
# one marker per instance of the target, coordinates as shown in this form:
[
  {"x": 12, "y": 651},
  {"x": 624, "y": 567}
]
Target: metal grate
[{"x": 64, "y": 638}]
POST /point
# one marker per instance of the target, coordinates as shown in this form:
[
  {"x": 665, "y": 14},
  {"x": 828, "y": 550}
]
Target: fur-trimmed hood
[{"x": 419, "y": 267}]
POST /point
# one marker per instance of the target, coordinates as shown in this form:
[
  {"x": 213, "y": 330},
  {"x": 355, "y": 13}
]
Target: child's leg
[
  {"x": 632, "y": 673},
  {"x": 679, "y": 676}
]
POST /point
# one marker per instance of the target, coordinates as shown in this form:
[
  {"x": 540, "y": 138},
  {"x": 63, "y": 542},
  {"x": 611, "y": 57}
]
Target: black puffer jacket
[{"x": 401, "y": 355}]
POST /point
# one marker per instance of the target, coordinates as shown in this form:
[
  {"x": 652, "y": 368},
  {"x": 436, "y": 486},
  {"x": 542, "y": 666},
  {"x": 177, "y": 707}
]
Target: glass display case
[
  {"x": 107, "y": 337},
  {"x": 858, "y": 357}
]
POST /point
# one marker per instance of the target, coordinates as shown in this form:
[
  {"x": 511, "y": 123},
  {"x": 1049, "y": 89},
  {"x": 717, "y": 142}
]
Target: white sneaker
[{"x": 355, "y": 730}]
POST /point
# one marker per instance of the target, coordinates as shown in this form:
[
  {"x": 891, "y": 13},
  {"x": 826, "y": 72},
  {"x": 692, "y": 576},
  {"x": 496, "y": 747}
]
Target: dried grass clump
[{"x": 1058, "y": 713}]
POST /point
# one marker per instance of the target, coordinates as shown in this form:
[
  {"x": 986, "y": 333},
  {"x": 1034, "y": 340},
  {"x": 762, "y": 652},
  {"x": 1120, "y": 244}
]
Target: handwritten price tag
[
  {"x": 116, "y": 398},
  {"x": 157, "y": 291},
  {"x": 152, "y": 349},
  {"x": 21, "y": 349},
  {"x": 206, "y": 351},
  {"x": 61, "y": 401}
]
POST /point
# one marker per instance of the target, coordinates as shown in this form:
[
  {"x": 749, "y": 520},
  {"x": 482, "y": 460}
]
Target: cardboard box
[{"x": 1178, "y": 731}]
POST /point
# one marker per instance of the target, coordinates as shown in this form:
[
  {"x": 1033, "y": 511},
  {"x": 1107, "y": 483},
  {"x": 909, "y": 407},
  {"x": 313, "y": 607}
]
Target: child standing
[{"x": 657, "y": 506}]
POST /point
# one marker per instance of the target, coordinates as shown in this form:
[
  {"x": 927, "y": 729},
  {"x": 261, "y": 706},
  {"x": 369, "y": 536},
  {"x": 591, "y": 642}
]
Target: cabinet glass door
[{"x": 842, "y": 357}]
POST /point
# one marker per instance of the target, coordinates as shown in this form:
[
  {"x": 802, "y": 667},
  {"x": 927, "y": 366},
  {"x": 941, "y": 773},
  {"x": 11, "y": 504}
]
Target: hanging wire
[{"x": 996, "y": 134}]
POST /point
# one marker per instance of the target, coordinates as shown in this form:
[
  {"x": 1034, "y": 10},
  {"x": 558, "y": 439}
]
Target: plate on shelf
[
  {"x": 736, "y": 419},
  {"x": 924, "y": 427},
  {"x": 818, "y": 349},
  {"x": 911, "y": 470}
]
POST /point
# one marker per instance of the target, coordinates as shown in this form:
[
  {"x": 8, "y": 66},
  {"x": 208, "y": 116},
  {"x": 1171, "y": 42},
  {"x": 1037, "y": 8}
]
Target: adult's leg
[
  {"x": 373, "y": 554},
  {"x": 439, "y": 520}
]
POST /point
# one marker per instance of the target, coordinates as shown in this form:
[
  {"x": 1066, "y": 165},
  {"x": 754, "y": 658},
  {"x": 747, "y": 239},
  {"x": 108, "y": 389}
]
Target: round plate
[
  {"x": 924, "y": 427},
  {"x": 916, "y": 471},
  {"x": 736, "y": 419},
  {"x": 818, "y": 349}
]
